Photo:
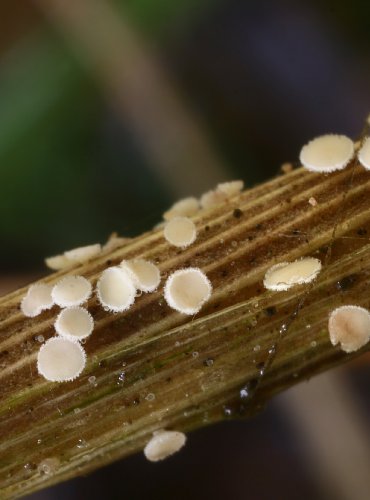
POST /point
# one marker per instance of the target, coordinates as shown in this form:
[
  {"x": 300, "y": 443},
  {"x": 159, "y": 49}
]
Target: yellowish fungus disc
[
  {"x": 284, "y": 275},
  {"x": 83, "y": 254},
  {"x": 115, "y": 290},
  {"x": 364, "y": 154},
  {"x": 212, "y": 198},
  {"x": 164, "y": 444},
  {"x": 327, "y": 153},
  {"x": 349, "y": 326},
  {"x": 37, "y": 299},
  {"x": 61, "y": 360},
  {"x": 180, "y": 232},
  {"x": 231, "y": 188},
  {"x": 58, "y": 262},
  {"x": 71, "y": 291},
  {"x": 144, "y": 274},
  {"x": 75, "y": 323},
  {"x": 187, "y": 290},
  {"x": 183, "y": 208}
]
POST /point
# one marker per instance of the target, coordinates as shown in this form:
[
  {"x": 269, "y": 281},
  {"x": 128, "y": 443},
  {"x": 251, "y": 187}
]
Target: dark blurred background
[{"x": 112, "y": 110}]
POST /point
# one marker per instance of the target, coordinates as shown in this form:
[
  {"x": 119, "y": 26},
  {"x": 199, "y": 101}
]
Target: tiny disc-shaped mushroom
[
  {"x": 212, "y": 198},
  {"x": 58, "y": 262},
  {"x": 164, "y": 444},
  {"x": 364, "y": 154},
  {"x": 115, "y": 290},
  {"x": 37, "y": 299},
  {"x": 284, "y": 275},
  {"x": 61, "y": 360},
  {"x": 75, "y": 323},
  {"x": 83, "y": 254},
  {"x": 180, "y": 232},
  {"x": 350, "y": 327},
  {"x": 187, "y": 290},
  {"x": 327, "y": 153},
  {"x": 186, "y": 207},
  {"x": 231, "y": 188},
  {"x": 144, "y": 274},
  {"x": 71, "y": 291}
]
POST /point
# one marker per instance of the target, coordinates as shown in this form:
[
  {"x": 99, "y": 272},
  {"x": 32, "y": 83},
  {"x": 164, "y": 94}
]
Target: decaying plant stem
[{"x": 156, "y": 368}]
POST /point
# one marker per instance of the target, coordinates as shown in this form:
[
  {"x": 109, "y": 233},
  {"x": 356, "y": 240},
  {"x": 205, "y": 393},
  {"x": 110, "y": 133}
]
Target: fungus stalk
[{"x": 238, "y": 241}]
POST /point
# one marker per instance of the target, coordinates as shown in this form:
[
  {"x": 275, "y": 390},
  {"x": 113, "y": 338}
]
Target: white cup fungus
[
  {"x": 37, "y": 299},
  {"x": 187, "y": 290},
  {"x": 212, "y": 198},
  {"x": 115, "y": 290},
  {"x": 83, "y": 254},
  {"x": 364, "y": 154},
  {"x": 58, "y": 262},
  {"x": 144, "y": 274},
  {"x": 284, "y": 275},
  {"x": 349, "y": 326},
  {"x": 231, "y": 188},
  {"x": 164, "y": 444},
  {"x": 187, "y": 207},
  {"x": 61, "y": 360},
  {"x": 327, "y": 153},
  {"x": 180, "y": 232},
  {"x": 71, "y": 291},
  {"x": 75, "y": 323}
]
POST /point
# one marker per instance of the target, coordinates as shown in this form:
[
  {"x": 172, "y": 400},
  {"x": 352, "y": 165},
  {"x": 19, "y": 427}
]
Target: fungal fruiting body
[
  {"x": 364, "y": 154},
  {"x": 71, "y": 257},
  {"x": 231, "y": 188},
  {"x": 164, "y": 444},
  {"x": 61, "y": 360},
  {"x": 187, "y": 290},
  {"x": 75, "y": 323},
  {"x": 327, "y": 153},
  {"x": 350, "y": 327},
  {"x": 144, "y": 274},
  {"x": 57, "y": 262},
  {"x": 223, "y": 192},
  {"x": 212, "y": 199},
  {"x": 115, "y": 290},
  {"x": 83, "y": 254},
  {"x": 186, "y": 207},
  {"x": 37, "y": 299},
  {"x": 180, "y": 232},
  {"x": 71, "y": 291},
  {"x": 284, "y": 275}
]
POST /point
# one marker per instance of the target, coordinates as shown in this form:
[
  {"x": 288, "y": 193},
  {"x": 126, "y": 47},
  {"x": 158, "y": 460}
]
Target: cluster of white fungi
[{"x": 63, "y": 358}]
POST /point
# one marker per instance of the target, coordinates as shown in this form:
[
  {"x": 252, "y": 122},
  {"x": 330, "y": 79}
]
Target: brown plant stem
[{"x": 156, "y": 368}]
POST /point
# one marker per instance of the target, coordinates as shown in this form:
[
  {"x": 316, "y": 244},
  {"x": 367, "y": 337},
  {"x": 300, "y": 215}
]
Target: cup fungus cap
[
  {"x": 61, "y": 360},
  {"x": 183, "y": 208},
  {"x": 180, "y": 232},
  {"x": 187, "y": 290},
  {"x": 83, "y": 254},
  {"x": 58, "y": 262},
  {"x": 212, "y": 198},
  {"x": 284, "y": 275},
  {"x": 71, "y": 291},
  {"x": 115, "y": 290},
  {"x": 327, "y": 153},
  {"x": 164, "y": 444},
  {"x": 364, "y": 154},
  {"x": 349, "y": 326},
  {"x": 144, "y": 274},
  {"x": 231, "y": 188},
  {"x": 74, "y": 323},
  {"x": 37, "y": 299}
]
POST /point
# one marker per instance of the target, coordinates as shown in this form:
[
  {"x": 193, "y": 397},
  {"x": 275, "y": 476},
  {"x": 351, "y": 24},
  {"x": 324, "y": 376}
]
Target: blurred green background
[{"x": 112, "y": 110}]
